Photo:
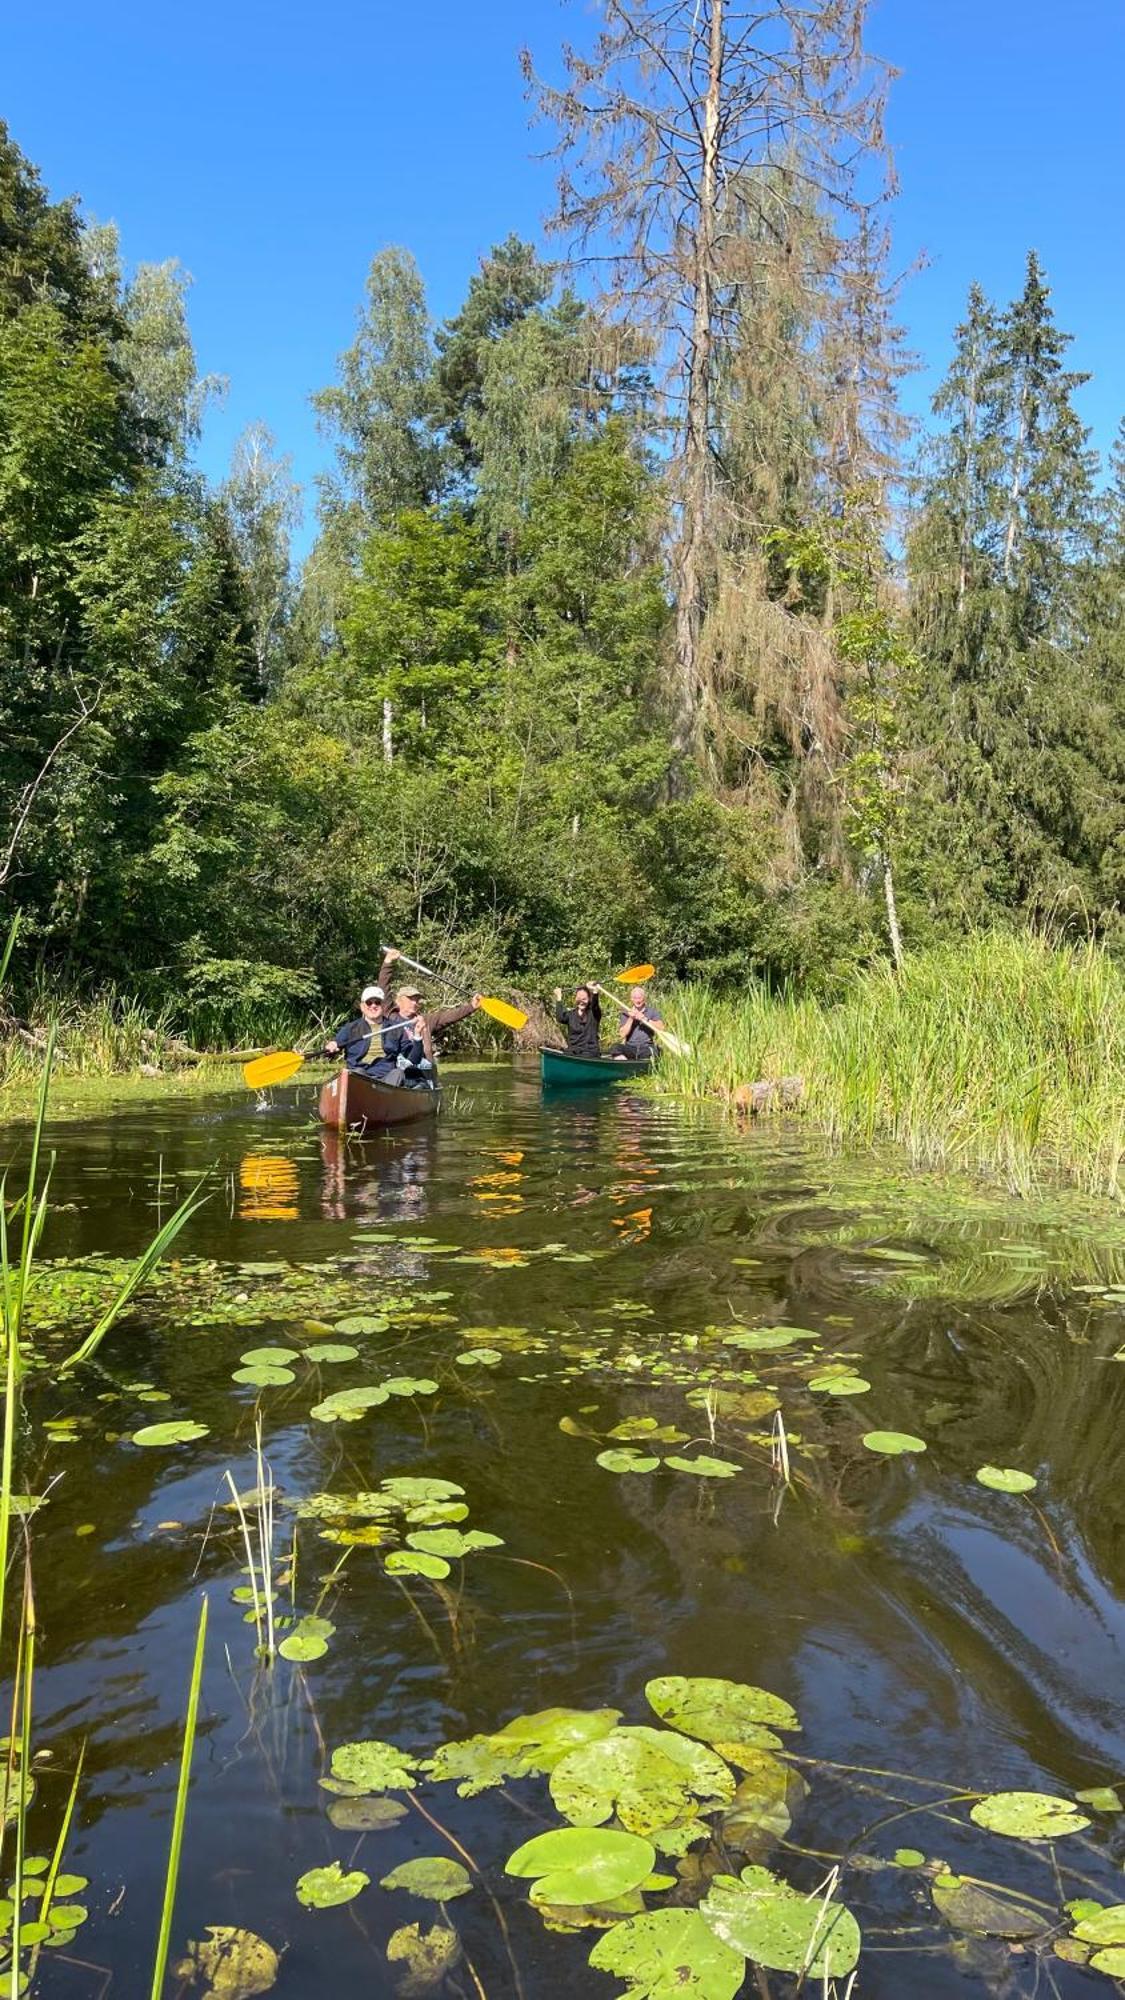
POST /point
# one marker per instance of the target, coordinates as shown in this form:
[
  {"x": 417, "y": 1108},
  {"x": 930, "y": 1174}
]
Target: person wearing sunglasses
[{"x": 360, "y": 1040}]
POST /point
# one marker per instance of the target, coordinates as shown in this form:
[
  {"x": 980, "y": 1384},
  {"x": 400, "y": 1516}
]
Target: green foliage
[{"x": 224, "y": 786}]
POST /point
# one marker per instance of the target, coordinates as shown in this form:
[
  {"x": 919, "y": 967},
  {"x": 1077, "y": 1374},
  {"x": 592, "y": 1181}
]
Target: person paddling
[
  {"x": 582, "y": 1021},
  {"x": 360, "y": 1040},
  {"x": 638, "y": 1020},
  {"x": 437, "y": 1017},
  {"x": 408, "y": 1045}
]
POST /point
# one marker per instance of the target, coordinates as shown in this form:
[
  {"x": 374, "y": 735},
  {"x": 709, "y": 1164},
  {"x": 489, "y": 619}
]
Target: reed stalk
[{"x": 172, "y": 1873}]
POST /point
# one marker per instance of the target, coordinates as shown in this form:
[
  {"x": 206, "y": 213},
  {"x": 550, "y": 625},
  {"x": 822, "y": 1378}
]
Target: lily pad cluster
[{"x": 419, "y": 1521}]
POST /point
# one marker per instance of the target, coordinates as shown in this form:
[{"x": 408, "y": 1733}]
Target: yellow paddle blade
[
  {"x": 501, "y": 1011},
  {"x": 672, "y": 1042},
  {"x": 272, "y": 1069},
  {"x": 635, "y": 975}
]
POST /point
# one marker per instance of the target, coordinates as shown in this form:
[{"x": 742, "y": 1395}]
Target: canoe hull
[
  {"x": 561, "y": 1071},
  {"x": 348, "y": 1102}
]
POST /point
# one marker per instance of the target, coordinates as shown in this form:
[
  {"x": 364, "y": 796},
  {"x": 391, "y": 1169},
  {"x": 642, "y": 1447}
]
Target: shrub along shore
[{"x": 1002, "y": 1053}]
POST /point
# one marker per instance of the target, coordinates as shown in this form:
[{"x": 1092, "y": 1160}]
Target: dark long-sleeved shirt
[{"x": 583, "y": 1029}]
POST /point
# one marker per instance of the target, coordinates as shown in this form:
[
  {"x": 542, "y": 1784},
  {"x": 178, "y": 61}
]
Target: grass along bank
[{"x": 1002, "y": 1053}]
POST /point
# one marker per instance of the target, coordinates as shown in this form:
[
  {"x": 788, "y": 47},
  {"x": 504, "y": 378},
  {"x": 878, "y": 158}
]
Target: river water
[{"x": 935, "y": 1636}]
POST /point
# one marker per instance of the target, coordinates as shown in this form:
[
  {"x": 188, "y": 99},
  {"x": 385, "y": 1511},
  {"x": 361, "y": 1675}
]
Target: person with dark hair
[{"x": 582, "y": 1021}]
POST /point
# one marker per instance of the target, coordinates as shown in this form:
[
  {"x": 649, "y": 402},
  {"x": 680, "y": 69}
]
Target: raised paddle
[
  {"x": 635, "y": 975},
  {"x": 500, "y": 1010}
]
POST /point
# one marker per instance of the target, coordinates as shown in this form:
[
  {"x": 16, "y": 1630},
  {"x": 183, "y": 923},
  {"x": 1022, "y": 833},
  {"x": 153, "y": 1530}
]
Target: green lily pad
[
  {"x": 1004, "y": 1479},
  {"x": 1110, "y": 1961},
  {"x": 411, "y": 1385},
  {"x": 717, "y": 1711},
  {"x": 582, "y": 1864},
  {"x": 67, "y": 1916},
  {"x": 479, "y": 1357},
  {"x": 765, "y": 1339},
  {"x": 1103, "y": 1798},
  {"x": 627, "y": 1461},
  {"x": 374, "y": 1765},
  {"x": 308, "y": 1640},
  {"x": 268, "y": 1357},
  {"x": 452, "y": 1542},
  {"x": 648, "y": 1778},
  {"x": 362, "y": 1323},
  {"x": 893, "y": 1444},
  {"x": 406, "y": 1562},
  {"x": 431, "y": 1876},
  {"x": 232, "y": 1963},
  {"x": 839, "y": 1385},
  {"x": 1108, "y": 1927},
  {"x": 704, "y": 1468},
  {"x": 70, "y": 1885},
  {"x": 411, "y": 1490},
  {"x": 261, "y": 1377},
  {"x": 646, "y": 1430},
  {"x": 330, "y": 1351},
  {"x": 348, "y": 1405},
  {"x": 776, "y": 1927},
  {"x": 427, "y": 1955},
  {"x": 666, "y": 1953},
  {"x": 546, "y": 1736},
  {"x": 528, "y": 1744},
  {"x": 325, "y": 1888},
  {"x": 170, "y": 1433},
  {"x": 909, "y": 1857},
  {"x": 1028, "y": 1815}
]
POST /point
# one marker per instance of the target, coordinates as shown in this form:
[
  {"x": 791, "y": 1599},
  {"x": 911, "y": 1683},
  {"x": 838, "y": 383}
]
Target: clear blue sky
[{"x": 274, "y": 148}]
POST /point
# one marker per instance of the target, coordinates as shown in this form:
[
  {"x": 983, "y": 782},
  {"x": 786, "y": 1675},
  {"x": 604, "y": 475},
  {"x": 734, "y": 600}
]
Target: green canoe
[{"x": 566, "y": 1072}]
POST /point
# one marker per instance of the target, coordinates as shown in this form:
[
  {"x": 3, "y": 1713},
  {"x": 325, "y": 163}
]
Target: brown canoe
[{"x": 351, "y": 1102}]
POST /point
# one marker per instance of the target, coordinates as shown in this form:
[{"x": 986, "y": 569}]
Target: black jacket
[{"x": 583, "y": 1031}]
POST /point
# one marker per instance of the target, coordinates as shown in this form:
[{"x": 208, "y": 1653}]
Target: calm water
[{"x": 919, "y": 1623}]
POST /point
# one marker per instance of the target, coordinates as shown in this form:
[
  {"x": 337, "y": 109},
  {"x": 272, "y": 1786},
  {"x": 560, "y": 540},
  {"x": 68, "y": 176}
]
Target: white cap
[{"x": 372, "y": 993}]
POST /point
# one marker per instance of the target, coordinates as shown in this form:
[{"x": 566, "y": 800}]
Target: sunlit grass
[{"x": 1001, "y": 1053}]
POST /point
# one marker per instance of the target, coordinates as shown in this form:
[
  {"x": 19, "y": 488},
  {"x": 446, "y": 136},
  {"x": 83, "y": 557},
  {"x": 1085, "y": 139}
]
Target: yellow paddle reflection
[{"x": 269, "y": 1188}]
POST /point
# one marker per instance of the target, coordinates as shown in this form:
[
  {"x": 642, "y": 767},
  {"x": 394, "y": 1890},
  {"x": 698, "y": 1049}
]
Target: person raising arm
[{"x": 582, "y": 1021}]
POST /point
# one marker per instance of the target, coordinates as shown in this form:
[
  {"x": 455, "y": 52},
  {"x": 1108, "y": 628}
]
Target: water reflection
[{"x": 914, "y": 1618}]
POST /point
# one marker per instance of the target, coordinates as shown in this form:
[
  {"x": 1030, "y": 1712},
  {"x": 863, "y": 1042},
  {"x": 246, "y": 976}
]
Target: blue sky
[{"x": 274, "y": 148}]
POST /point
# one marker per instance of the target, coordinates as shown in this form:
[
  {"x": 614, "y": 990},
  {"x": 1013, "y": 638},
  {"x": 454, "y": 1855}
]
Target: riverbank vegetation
[
  {"x": 1005, "y": 1053},
  {"x": 599, "y": 649}
]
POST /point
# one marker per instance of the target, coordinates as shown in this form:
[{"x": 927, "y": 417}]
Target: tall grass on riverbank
[
  {"x": 1003, "y": 1053},
  {"x": 104, "y": 1035}
]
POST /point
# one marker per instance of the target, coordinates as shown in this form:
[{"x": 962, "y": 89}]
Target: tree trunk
[
  {"x": 697, "y": 425},
  {"x": 388, "y": 732},
  {"x": 892, "y": 912},
  {"x": 967, "y": 490},
  {"x": 1015, "y": 495}
]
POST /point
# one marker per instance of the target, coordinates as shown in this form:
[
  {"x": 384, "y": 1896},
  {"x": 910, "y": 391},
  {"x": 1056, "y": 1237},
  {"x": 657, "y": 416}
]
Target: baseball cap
[
  {"x": 411, "y": 992},
  {"x": 373, "y": 993}
]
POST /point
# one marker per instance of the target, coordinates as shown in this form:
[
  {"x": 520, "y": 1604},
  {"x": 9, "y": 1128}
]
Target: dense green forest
[{"x": 636, "y": 621}]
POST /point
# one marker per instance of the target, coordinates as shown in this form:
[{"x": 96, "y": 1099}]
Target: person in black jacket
[{"x": 582, "y": 1021}]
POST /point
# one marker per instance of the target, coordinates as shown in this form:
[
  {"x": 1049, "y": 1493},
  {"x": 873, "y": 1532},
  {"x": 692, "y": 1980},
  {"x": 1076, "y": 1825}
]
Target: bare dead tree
[{"x": 679, "y": 104}]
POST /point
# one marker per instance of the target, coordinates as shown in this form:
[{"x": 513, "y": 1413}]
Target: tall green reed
[
  {"x": 1002, "y": 1052},
  {"x": 179, "y": 1813}
]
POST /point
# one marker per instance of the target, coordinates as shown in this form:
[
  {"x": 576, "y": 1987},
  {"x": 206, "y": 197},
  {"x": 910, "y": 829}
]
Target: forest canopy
[{"x": 636, "y": 620}]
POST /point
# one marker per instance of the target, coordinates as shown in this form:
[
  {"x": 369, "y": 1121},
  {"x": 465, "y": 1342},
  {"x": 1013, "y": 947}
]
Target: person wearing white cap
[{"x": 360, "y": 1041}]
